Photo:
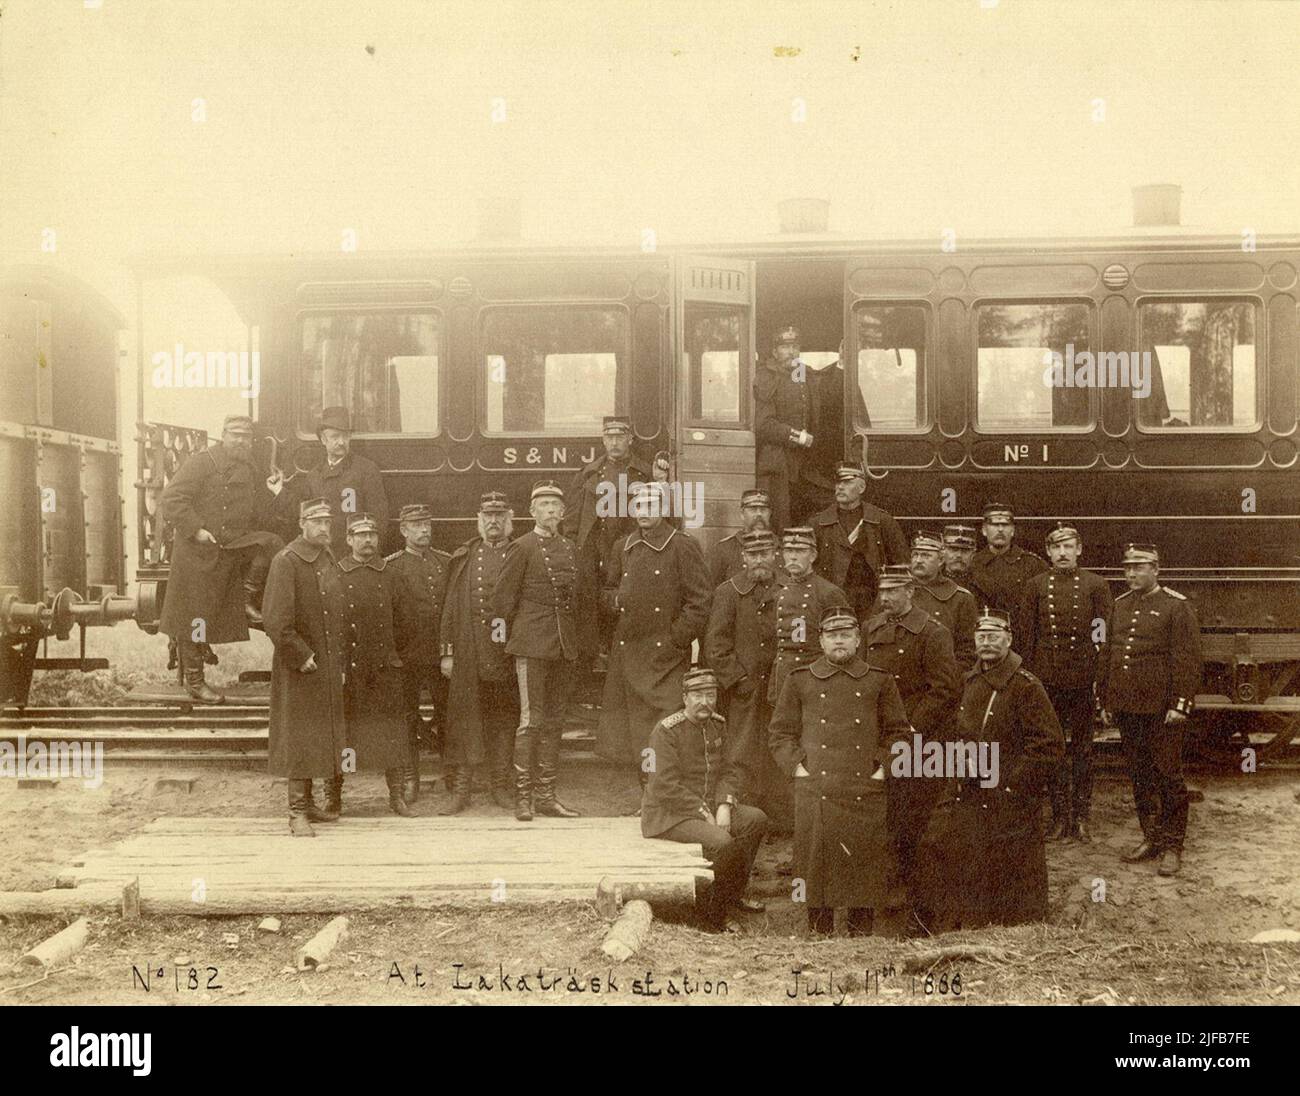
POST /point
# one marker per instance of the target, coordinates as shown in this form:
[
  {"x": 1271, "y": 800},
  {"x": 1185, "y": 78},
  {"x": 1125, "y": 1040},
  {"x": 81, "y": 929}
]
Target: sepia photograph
[{"x": 600, "y": 502}]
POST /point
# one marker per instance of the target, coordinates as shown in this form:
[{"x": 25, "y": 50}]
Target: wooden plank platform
[{"x": 220, "y": 866}]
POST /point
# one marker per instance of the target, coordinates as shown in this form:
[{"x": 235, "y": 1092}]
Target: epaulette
[
  {"x": 393, "y": 555},
  {"x": 720, "y": 718},
  {"x": 1174, "y": 593},
  {"x": 674, "y": 719},
  {"x": 1124, "y": 595},
  {"x": 1026, "y": 674}
]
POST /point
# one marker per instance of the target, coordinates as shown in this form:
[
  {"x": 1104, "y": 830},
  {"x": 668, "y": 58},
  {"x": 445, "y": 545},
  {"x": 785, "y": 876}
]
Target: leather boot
[
  {"x": 501, "y": 786},
  {"x": 254, "y": 584},
  {"x": 461, "y": 792},
  {"x": 395, "y": 801},
  {"x": 191, "y": 659},
  {"x": 251, "y": 611},
  {"x": 548, "y": 763},
  {"x": 334, "y": 795},
  {"x": 299, "y": 797},
  {"x": 525, "y": 756},
  {"x": 1060, "y": 828},
  {"x": 315, "y": 813},
  {"x": 411, "y": 778}
]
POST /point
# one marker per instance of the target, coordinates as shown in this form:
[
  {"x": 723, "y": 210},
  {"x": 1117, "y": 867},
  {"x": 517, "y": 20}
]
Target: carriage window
[
  {"x": 1201, "y": 367},
  {"x": 712, "y": 361},
  {"x": 553, "y": 370},
  {"x": 1017, "y": 388},
  {"x": 381, "y": 366},
  {"x": 891, "y": 367}
]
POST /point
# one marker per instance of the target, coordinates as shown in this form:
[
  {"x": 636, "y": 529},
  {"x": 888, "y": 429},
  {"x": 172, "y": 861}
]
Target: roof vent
[
  {"x": 804, "y": 214},
  {"x": 1157, "y": 204}
]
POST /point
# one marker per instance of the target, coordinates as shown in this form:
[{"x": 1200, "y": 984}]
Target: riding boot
[
  {"x": 254, "y": 584},
  {"x": 315, "y": 813},
  {"x": 501, "y": 785},
  {"x": 395, "y": 801},
  {"x": 334, "y": 795},
  {"x": 411, "y": 778},
  {"x": 525, "y": 758},
  {"x": 191, "y": 660},
  {"x": 461, "y": 793},
  {"x": 299, "y": 797},
  {"x": 548, "y": 761}
]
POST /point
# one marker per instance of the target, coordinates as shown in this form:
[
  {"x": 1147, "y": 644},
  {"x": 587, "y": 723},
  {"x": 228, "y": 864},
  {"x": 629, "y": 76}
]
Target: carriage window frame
[
  {"x": 300, "y": 373},
  {"x": 926, "y": 368},
  {"x": 1094, "y": 345},
  {"x": 745, "y": 371},
  {"x": 623, "y": 380},
  {"x": 1261, "y": 362}
]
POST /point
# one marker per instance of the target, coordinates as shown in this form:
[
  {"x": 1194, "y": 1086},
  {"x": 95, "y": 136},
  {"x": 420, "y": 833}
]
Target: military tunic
[
  {"x": 854, "y": 567},
  {"x": 421, "y": 581},
  {"x": 659, "y": 588},
  {"x": 999, "y": 581},
  {"x": 483, "y": 699},
  {"x": 361, "y": 616},
  {"x": 954, "y": 607},
  {"x": 799, "y": 607},
  {"x": 224, "y": 494},
  {"x": 740, "y": 647},
  {"x": 534, "y": 595},
  {"x": 307, "y": 732},
  {"x": 982, "y": 859},
  {"x": 839, "y": 723}
]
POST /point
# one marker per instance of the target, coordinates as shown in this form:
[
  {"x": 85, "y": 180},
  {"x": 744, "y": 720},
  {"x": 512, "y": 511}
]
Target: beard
[
  {"x": 762, "y": 572},
  {"x": 839, "y": 655},
  {"x": 506, "y": 532}
]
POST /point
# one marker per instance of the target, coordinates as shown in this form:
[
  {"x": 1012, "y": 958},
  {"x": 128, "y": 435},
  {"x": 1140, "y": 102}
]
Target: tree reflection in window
[
  {"x": 381, "y": 366},
  {"x": 713, "y": 362},
  {"x": 1202, "y": 364},
  {"x": 552, "y": 370},
  {"x": 1016, "y": 343},
  {"x": 891, "y": 367}
]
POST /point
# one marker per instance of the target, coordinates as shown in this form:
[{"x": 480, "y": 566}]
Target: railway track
[{"x": 235, "y": 735}]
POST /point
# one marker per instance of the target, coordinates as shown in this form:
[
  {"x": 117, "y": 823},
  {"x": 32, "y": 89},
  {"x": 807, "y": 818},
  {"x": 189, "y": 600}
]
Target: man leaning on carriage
[{"x": 822, "y": 671}]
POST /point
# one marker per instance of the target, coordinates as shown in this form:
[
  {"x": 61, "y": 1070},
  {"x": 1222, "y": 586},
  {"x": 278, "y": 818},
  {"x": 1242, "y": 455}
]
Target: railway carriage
[{"x": 490, "y": 367}]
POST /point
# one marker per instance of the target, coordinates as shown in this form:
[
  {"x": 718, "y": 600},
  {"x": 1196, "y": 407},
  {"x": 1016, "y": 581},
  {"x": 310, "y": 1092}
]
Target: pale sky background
[{"x": 621, "y": 115}]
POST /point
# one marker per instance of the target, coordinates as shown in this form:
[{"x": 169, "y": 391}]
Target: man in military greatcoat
[
  {"x": 855, "y": 540},
  {"x": 308, "y": 733},
  {"x": 832, "y": 731},
  {"x": 785, "y": 416},
  {"x": 800, "y": 604},
  {"x": 917, "y": 650},
  {"x": 598, "y": 525},
  {"x": 982, "y": 860},
  {"x": 351, "y": 483},
  {"x": 1062, "y": 622},
  {"x": 363, "y": 594},
  {"x": 740, "y": 647},
  {"x": 420, "y": 574},
  {"x": 1147, "y": 676},
  {"x": 724, "y": 557},
  {"x": 690, "y": 797},
  {"x": 219, "y": 509},
  {"x": 535, "y": 596},
  {"x": 483, "y": 697},
  {"x": 942, "y": 599},
  {"x": 658, "y": 588},
  {"x": 958, "y": 553},
  {"x": 1000, "y": 570}
]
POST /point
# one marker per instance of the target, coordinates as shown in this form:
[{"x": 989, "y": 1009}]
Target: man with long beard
[{"x": 483, "y": 697}]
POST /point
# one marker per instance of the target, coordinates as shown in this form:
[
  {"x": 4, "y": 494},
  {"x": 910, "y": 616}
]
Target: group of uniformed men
[{"x": 824, "y": 657}]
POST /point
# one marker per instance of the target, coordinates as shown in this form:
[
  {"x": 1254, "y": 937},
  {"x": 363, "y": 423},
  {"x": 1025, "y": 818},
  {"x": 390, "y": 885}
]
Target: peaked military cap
[
  {"x": 998, "y": 510},
  {"x": 241, "y": 423},
  {"x": 788, "y": 334},
  {"x": 363, "y": 523},
  {"x": 992, "y": 620},
  {"x": 755, "y": 497},
  {"x": 838, "y": 619},
  {"x": 799, "y": 536},
  {"x": 547, "y": 489},
  {"x": 893, "y": 575},
  {"x": 334, "y": 418},
  {"x": 757, "y": 540},
  {"x": 927, "y": 542},
  {"x": 314, "y": 508},
  {"x": 1141, "y": 553},
  {"x": 848, "y": 472},
  {"x": 698, "y": 677},
  {"x": 414, "y": 511},
  {"x": 615, "y": 424},
  {"x": 493, "y": 502},
  {"x": 958, "y": 536},
  {"x": 1063, "y": 532}
]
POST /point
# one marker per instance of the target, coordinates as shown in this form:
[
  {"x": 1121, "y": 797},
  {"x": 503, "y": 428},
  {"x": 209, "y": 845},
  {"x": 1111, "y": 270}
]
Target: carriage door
[{"x": 714, "y": 391}]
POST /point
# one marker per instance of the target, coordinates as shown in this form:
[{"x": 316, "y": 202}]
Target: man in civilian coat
[
  {"x": 740, "y": 647},
  {"x": 1062, "y": 622},
  {"x": 832, "y": 731},
  {"x": 855, "y": 540},
  {"x": 420, "y": 573},
  {"x": 483, "y": 697},
  {"x": 723, "y": 558},
  {"x": 982, "y": 860},
  {"x": 690, "y": 797},
  {"x": 658, "y": 587},
  {"x": 351, "y": 483},
  {"x": 942, "y": 599},
  {"x": 535, "y": 596},
  {"x": 307, "y": 733},
  {"x": 917, "y": 651},
  {"x": 1147, "y": 676},
  {"x": 364, "y": 590},
  {"x": 219, "y": 509}
]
